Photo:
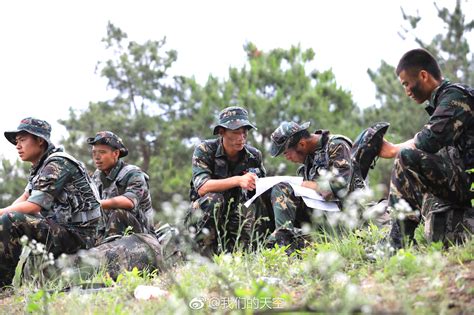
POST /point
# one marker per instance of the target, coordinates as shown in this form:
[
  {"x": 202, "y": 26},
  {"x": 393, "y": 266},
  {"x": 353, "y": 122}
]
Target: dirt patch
[{"x": 460, "y": 287}]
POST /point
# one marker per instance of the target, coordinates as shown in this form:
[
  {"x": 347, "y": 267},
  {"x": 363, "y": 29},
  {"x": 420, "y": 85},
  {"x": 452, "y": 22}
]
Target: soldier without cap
[
  {"x": 224, "y": 174},
  {"x": 123, "y": 188},
  {"x": 59, "y": 207},
  {"x": 435, "y": 163}
]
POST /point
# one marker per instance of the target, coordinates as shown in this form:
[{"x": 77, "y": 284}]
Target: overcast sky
[{"x": 50, "y": 48}]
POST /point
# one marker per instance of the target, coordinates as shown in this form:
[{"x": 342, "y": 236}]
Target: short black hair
[
  {"x": 419, "y": 59},
  {"x": 302, "y": 134}
]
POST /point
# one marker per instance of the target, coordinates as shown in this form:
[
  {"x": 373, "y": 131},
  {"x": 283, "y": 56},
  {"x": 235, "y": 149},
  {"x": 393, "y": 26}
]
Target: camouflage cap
[
  {"x": 111, "y": 139},
  {"x": 282, "y": 136},
  {"x": 367, "y": 147},
  {"x": 233, "y": 118},
  {"x": 37, "y": 127}
]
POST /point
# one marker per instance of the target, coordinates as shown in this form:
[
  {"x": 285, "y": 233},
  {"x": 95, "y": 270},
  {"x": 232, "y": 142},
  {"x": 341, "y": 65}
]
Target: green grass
[{"x": 342, "y": 274}]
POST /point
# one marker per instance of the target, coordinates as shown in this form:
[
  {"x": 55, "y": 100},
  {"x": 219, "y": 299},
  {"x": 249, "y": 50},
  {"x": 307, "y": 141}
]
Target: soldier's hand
[
  {"x": 248, "y": 181},
  {"x": 388, "y": 150}
]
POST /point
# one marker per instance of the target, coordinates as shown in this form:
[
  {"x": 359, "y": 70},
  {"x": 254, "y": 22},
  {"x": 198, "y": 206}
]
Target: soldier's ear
[
  {"x": 301, "y": 145},
  {"x": 42, "y": 143},
  {"x": 116, "y": 153}
]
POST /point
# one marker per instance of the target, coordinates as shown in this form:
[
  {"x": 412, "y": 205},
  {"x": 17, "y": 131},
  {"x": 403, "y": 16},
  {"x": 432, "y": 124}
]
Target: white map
[{"x": 310, "y": 197}]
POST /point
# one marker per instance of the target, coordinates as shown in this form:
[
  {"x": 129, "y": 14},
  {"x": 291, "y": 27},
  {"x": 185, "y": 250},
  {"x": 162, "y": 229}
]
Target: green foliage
[
  {"x": 161, "y": 118},
  {"x": 142, "y": 112},
  {"x": 279, "y": 85},
  {"x": 12, "y": 180},
  {"x": 326, "y": 277},
  {"x": 451, "y": 48}
]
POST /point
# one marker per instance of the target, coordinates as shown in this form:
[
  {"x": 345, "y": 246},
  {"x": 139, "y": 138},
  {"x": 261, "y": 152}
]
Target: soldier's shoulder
[
  {"x": 340, "y": 139},
  {"x": 253, "y": 150},
  {"x": 457, "y": 90},
  {"x": 206, "y": 146},
  {"x": 59, "y": 162}
]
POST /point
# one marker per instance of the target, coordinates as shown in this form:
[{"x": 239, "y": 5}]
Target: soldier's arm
[
  {"x": 23, "y": 197},
  {"x": 446, "y": 124},
  {"x": 339, "y": 163},
  {"x": 135, "y": 188},
  {"x": 246, "y": 181},
  {"x": 390, "y": 150},
  {"x": 326, "y": 194},
  {"x": 50, "y": 183},
  {"x": 118, "y": 202},
  {"x": 22, "y": 207}
]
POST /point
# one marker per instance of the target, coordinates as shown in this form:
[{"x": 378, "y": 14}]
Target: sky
[{"x": 50, "y": 49}]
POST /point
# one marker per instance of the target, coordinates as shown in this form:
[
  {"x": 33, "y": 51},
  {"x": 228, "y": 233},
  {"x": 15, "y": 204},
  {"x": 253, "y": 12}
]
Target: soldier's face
[
  {"x": 414, "y": 85},
  {"x": 105, "y": 157},
  {"x": 295, "y": 154},
  {"x": 29, "y": 147},
  {"x": 234, "y": 140}
]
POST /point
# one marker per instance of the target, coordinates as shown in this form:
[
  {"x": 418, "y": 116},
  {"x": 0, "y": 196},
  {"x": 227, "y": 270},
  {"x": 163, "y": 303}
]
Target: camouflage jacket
[
  {"x": 60, "y": 185},
  {"x": 128, "y": 181},
  {"x": 210, "y": 162},
  {"x": 451, "y": 122},
  {"x": 333, "y": 153}
]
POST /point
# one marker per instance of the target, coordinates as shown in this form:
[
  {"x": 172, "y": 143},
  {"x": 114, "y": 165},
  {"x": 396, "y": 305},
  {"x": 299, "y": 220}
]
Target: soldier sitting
[
  {"x": 435, "y": 162},
  {"x": 224, "y": 177},
  {"x": 316, "y": 151},
  {"x": 123, "y": 188},
  {"x": 58, "y": 208}
]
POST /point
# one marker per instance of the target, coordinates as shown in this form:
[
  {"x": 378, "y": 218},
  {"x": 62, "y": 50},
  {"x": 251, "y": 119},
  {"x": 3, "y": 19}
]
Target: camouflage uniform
[
  {"x": 332, "y": 153},
  {"x": 123, "y": 180},
  {"x": 219, "y": 219},
  {"x": 70, "y": 211},
  {"x": 143, "y": 251},
  {"x": 437, "y": 166}
]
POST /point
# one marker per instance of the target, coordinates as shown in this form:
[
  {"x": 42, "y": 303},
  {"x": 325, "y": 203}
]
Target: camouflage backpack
[{"x": 158, "y": 251}]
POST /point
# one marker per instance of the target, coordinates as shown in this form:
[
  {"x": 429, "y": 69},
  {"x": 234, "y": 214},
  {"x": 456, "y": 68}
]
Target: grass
[{"x": 341, "y": 274}]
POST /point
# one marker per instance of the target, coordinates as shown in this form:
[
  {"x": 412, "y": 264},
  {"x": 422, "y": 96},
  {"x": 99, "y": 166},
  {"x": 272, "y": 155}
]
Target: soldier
[
  {"x": 123, "y": 188},
  {"x": 224, "y": 174},
  {"x": 316, "y": 151},
  {"x": 59, "y": 207},
  {"x": 435, "y": 161}
]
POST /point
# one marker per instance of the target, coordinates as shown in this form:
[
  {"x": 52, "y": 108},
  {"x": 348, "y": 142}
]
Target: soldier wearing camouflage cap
[
  {"x": 59, "y": 207},
  {"x": 224, "y": 173},
  {"x": 123, "y": 187},
  {"x": 317, "y": 151},
  {"x": 437, "y": 159}
]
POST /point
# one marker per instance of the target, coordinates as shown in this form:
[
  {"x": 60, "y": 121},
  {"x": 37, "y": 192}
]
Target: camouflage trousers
[
  {"x": 417, "y": 174},
  {"x": 57, "y": 238},
  {"x": 220, "y": 223},
  {"x": 290, "y": 211}
]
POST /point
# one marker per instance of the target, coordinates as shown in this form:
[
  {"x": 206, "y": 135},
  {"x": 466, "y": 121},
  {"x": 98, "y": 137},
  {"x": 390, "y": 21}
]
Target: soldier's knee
[
  {"x": 214, "y": 197},
  {"x": 208, "y": 202},
  {"x": 280, "y": 189}
]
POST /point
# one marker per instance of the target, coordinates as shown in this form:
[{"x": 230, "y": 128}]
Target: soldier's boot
[
  {"x": 402, "y": 233},
  {"x": 293, "y": 239}
]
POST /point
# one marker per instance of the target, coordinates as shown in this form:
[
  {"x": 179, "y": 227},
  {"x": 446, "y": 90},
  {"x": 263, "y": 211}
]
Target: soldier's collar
[
  {"x": 51, "y": 149},
  {"x": 115, "y": 170},
  {"x": 431, "y": 106},
  {"x": 323, "y": 139},
  {"x": 221, "y": 153}
]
